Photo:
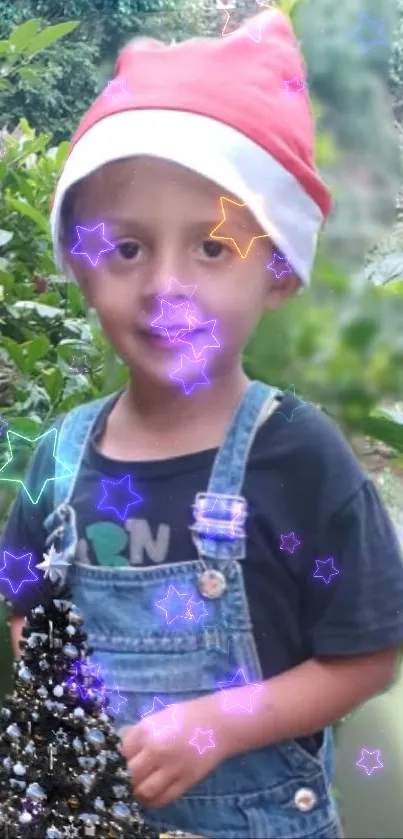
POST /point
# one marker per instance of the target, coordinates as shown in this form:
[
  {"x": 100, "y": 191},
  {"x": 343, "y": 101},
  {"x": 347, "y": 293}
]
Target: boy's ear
[{"x": 280, "y": 290}]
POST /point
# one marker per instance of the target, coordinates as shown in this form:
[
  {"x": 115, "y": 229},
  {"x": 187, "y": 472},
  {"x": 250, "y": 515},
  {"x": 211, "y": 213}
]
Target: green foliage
[{"x": 53, "y": 93}]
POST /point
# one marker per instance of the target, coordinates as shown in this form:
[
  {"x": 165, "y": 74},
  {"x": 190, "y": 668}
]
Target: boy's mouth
[{"x": 169, "y": 335}]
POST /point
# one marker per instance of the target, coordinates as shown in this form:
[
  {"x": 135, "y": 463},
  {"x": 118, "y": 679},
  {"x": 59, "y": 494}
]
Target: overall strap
[
  {"x": 218, "y": 530},
  {"x": 228, "y": 472},
  {"x": 72, "y": 440}
]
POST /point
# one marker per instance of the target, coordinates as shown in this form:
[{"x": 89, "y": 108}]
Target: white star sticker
[{"x": 54, "y": 566}]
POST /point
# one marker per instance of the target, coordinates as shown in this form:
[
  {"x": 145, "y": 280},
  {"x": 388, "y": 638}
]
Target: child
[{"x": 240, "y": 632}]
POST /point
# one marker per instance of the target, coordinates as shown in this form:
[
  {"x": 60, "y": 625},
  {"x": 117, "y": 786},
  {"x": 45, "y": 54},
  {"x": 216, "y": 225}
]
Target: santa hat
[{"x": 234, "y": 109}]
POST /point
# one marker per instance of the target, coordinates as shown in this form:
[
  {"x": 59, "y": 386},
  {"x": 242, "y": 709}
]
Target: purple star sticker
[
  {"x": 190, "y": 373},
  {"x": 86, "y": 671},
  {"x": 91, "y": 243},
  {"x": 172, "y": 319},
  {"x": 116, "y": 90},
  {"x": 119, "y": 491},
  {"x": 279, "y": 265},
  {"x": 370, "y": 761},
  {"x": 115, "y": 699},
  {"x": 175, "y": 604},
  {"x": 18, "y": 570},
  {"x": 289, "y": 542},
  {"x": 199, "y": 336},
  {"x": 180, "y": 290},
  {"x": 294, "y": 86},
  {"x": 325, "y": 569}
]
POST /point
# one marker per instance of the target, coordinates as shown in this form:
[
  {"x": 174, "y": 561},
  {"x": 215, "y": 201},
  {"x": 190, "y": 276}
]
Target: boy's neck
[{"x": 167, "y": 423}]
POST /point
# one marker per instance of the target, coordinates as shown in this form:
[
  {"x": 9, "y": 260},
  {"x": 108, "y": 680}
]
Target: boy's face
[{"x": 159, "y": 215}]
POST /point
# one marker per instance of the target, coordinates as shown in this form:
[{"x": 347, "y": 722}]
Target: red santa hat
[{"x": 234, "y": 109}]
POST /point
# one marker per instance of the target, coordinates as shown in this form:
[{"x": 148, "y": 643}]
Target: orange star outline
[{"x": 212, "y": 236}]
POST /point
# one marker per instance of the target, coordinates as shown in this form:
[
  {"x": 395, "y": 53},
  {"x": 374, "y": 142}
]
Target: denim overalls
[{"x": 276, "y": 792}]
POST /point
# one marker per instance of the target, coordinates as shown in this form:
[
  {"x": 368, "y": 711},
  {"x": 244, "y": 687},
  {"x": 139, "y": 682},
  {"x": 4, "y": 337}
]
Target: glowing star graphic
[
  {"x": 244, "y": 251},
  {"x": 245, "y": 700},
  {"x": 96, "y": 241},
  {"x": 80, "y": 366},
  {"x": 225, "y": 4},
  {"x": 325, "y": 570},
  {"x": 199, "y": 336},
  {"x": 115, "y": 699},
  {"x": 252, "y": 28},
  {"x": 212, "y": 637},
  {"x": 84, "y": 672},
  {"x": 190, "y": 373},
  {"x": 370, "y": 760},
  {"x": 294, "y": 408},
  {"x": 176, "y": 289},
  {"x": 289, "y": 542},
  {"x": 220, "y": 514},
  {"x": 196, "y": 611},
  {"x": 18, "y": 570},
  {"x": 54, "y": 566},
  {"x": 52, "y": 436},
  {"x": 375, "y": 28},
  {"x": 172, "y": 318},
  {"x": 159, "y": 706},
  {"x": 112, "y": 488},
  {"x": 294, "y": 86},
  {"x": 174, "y": 604},
  {"x": 279, "y": 265},
  {"x": 116, "y": 90},
  {"x": 203, "y": 740}
]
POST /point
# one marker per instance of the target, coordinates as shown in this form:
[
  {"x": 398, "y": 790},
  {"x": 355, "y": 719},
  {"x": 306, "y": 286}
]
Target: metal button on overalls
[
  {"x": 211, "y": 584},
  {"x": 305, "y": 799}
]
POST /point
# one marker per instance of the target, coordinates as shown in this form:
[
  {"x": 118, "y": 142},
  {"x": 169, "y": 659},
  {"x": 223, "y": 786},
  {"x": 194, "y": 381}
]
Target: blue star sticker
[
  {"x": 175, "y": 605},
  {"x": 363, "y": 29},
  {"x": 17, "y": 570},
  {"x": 122, "y": 506},
  {"x": 325, "y": 570},
  {"x": 52, "y": 434},
  {"x": 280, "y": 410}
]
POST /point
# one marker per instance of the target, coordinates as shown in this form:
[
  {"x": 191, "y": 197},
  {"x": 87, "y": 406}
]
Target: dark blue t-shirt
[{"x": 301, "y": 479}]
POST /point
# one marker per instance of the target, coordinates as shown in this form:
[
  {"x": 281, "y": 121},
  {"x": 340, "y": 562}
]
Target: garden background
[{"x": 340, "y": 345}]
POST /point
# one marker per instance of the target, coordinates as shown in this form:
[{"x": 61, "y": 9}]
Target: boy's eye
[
  {"x": 127, "y": 250},
  {"x": 212, "y": 248}
]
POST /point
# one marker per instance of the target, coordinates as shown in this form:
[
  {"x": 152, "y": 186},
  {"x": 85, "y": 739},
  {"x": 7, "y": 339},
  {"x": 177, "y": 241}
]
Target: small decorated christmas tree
[{"x": 62, "y": 775}]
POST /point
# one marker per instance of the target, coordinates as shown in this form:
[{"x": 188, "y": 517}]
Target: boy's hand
[{"x": 163, "y": 763}]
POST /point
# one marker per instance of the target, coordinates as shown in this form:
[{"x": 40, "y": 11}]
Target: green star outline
[{"x": 56, "y": 459}]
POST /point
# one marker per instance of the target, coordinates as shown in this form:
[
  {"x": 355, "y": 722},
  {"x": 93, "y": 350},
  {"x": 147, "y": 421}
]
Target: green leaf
[
  {"x": 50, "y": 35},
  {"x": 34, "y": 350},
  {"x": 53, "y": 382},
  {"x": 15, "y": 353},
  {"x": 4, "y": 47},
  {"x": 25, "y": 426},
  {"x": 23, "y": 34},
  {"x": 29, "y": 74},
  {"x": 40, "y": 308},
  {"x": 26, "y": 210}
]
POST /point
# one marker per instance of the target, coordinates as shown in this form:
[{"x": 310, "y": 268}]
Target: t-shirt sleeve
[
  {"x": 24, "y": 533},
  {"x": 354, "y": 604}
]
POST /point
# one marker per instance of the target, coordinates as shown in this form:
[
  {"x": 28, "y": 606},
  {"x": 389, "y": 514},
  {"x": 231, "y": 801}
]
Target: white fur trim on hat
[{"x": 214, "y": 150}]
